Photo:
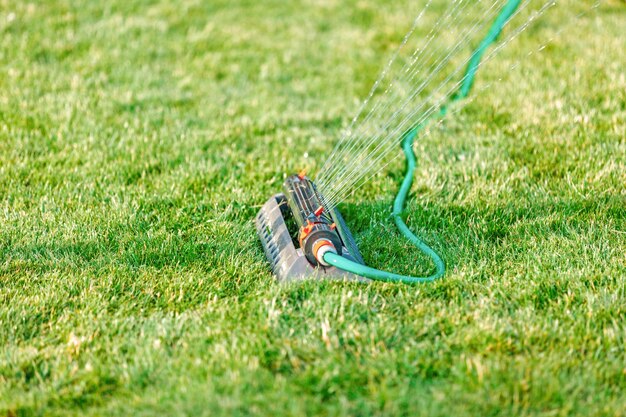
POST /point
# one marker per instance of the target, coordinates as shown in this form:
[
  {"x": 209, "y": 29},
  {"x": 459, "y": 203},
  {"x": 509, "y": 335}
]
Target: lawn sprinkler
[
  {"x": 304, "y": 235},
  {"x": 296, "y": 232}
]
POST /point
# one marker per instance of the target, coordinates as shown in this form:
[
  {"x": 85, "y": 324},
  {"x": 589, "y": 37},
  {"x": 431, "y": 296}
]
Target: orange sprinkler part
[
  {"x": 322, "y": 242},
  {"x": 302, "y": 174},
  {"x": 320, "y": 247},
  {"x": 304, "y": 232}
]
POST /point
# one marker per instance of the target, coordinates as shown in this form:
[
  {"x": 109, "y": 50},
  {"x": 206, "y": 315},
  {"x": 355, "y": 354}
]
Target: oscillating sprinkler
[{"x": 296, "y": 232}]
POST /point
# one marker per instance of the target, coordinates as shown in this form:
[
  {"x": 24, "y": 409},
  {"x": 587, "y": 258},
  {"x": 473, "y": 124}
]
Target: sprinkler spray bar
[{"x": 316, "y": 233}]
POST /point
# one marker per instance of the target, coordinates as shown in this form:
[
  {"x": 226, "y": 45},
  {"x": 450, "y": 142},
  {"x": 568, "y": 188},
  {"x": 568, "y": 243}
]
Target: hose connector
[{"x": 320, "y": 248}]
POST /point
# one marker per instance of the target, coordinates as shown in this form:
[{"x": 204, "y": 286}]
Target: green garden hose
[{"x": 407, "y": 146}]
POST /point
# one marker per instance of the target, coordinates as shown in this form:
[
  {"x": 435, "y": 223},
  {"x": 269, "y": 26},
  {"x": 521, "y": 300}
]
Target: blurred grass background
[{"x": 139, "y": 138}]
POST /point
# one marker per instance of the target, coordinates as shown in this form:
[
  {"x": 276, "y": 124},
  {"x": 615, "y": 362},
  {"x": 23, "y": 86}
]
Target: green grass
[{"x": 138, "y": 140}]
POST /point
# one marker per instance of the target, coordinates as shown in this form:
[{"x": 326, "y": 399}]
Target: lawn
[{"x": 138, "y": 139}]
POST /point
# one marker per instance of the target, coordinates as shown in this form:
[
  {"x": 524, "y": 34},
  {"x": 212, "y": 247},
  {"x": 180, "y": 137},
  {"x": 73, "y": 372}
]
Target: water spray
[{"x": 301, "y": 230}]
